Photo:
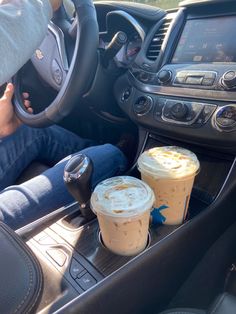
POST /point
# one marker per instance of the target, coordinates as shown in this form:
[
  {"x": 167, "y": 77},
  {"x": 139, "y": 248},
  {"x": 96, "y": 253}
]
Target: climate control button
[
  {"x": 143, "y": 105},
  {"x": 225, "y": 118}
]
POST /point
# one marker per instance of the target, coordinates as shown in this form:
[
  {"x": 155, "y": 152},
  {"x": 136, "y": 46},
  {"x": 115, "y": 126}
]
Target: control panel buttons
[
  {"x": 229, "y": 80},
  {"x": 225, "y": 118},
  {"x": 199, "y": 78},
  {"x": 180, "y": 80},
  {"x": 57, "y": 73},
  {"x": 205, "y": 114},
  {"x": 208, "y": 81},
  {"x": 81, "y": 274},
  {"x": 208, "y": 110},
  {"x": 126, "y": 93},
  {"x": 164, "y": 76},
  {"x": 86, "y": 281},
  {"x": 75, "y": 268},
  {"x": 143, "y": 105},
  {"x": 144, "y": 77},
  {"x": 194, "y": 80},
  {"x": 179, "y": 110}
]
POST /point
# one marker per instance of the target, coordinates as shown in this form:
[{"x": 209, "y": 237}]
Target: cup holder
[{"x": 103, "y": 245}]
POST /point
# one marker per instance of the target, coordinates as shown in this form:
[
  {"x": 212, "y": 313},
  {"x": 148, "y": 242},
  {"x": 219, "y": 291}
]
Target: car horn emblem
[{"x": 39, "y": 54}]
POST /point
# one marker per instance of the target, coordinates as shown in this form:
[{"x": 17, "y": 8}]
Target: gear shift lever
[{"x": 77, "y": 177}]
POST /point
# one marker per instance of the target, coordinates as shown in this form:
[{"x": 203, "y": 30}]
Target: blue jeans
[{"x": 22, "y": 204}]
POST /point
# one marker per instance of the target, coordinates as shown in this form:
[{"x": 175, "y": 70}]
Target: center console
[
  {"x": 77, "y": 266},
  {"x": 74, "y": 260}
]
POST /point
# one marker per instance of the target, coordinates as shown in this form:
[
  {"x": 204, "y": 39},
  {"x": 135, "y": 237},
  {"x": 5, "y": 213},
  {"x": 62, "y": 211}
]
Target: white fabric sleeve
[{"x": 23, "y": 25}]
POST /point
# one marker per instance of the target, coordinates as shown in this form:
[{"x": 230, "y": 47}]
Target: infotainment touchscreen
[{"x": 207, "y": 40}]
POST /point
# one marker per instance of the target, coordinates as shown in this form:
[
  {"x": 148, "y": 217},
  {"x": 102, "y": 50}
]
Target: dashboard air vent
[{"x": 156, "y": 43}]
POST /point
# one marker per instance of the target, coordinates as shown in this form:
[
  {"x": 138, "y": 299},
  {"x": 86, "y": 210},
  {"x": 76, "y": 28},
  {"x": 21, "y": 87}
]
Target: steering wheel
[{"x": 75, "y": 78}]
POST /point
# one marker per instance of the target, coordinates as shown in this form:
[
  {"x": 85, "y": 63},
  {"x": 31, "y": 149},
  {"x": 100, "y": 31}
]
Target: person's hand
[
  {"x": 8, "y": 119},
  {"x": 55, "y": 4}
]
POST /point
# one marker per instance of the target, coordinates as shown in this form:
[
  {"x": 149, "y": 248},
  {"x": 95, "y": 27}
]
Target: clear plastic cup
[
  {"x": 123, "y": 205},
  {"x": 170, "y": 171}
]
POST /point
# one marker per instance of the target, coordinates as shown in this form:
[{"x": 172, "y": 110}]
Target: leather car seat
[
  {"x": 33, "y": 170},
  {"x": 224, "y": 304}
]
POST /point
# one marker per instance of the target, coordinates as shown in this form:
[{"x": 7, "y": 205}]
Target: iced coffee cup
[
  {"x": 170, "y": 172},
  {"x": 122, "y": 205}
]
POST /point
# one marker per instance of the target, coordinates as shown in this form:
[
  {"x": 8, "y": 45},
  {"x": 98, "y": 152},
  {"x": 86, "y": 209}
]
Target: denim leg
[
  {"x": 22, "y": 204},
  {"x": 50, "y": 145}
]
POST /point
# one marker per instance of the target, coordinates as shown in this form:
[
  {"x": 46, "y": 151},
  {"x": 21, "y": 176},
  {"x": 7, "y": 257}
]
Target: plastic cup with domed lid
[
  {"x": 123, "y": 205},
  {"x": 170, "y": 171}
]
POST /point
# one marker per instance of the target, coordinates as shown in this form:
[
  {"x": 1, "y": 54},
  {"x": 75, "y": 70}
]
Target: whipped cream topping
[
  {"x": 122, "y": 196},
  {"x": 168, "y": 162}
]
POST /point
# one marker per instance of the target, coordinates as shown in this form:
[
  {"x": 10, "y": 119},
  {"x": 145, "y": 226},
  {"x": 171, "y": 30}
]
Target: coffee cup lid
[
  {"x": 122, "y": 196},
  {"x": 168, "y": 162}
]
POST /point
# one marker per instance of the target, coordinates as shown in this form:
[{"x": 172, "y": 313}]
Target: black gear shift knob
[{"x": 77, "y": 177}]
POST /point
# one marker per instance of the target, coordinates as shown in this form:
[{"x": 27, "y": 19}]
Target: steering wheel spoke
[{"x": 50, "y": 59}]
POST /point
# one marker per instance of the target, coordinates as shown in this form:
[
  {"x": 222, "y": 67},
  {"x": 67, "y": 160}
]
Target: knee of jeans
[
  {"x": 103, "y": 153},
  {"x": 119, "y": 158},
  {"x": 112, "y": 155}
]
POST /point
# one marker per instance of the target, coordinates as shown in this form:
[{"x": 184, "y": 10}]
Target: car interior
[{"x": 112, "y": 71}]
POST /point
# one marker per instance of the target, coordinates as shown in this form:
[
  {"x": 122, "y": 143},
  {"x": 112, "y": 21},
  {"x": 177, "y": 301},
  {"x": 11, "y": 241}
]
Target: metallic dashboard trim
[
  {"x": 180, "y": 122},
  {"x": 182, "y": 92},
  {"x": 192, "y": 72}
]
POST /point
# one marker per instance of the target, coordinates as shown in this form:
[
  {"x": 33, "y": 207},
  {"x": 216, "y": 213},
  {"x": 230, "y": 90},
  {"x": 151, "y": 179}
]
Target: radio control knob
[
  {"x": 164, "y": 76},
  {"x": 179, "y": 110},
  {"x": 229, "y": 79}
]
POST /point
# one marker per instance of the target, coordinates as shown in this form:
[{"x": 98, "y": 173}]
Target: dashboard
[{"x": 181, "y": 81}]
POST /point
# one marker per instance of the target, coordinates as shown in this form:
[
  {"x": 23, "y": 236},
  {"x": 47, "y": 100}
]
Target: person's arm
[{"x": 23, "y": 25}]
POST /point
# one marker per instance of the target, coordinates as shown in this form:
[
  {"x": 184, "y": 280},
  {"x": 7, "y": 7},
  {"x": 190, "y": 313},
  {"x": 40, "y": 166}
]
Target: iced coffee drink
[
  {"x": 122, "y": 205},
  {"x": 170, "y": 172}
]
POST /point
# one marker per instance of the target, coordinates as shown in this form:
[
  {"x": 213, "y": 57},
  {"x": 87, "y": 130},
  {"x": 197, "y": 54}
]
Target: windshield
[{"x": 164, "y": 4}]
